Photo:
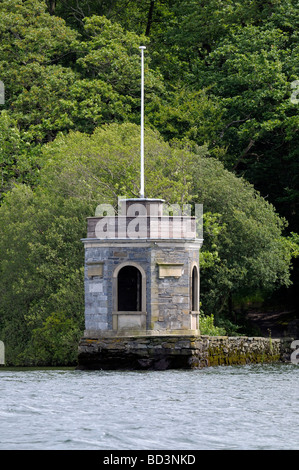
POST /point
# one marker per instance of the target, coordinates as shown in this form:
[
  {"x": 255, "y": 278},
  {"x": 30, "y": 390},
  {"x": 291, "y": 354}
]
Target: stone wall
[
  {"x": 178, "y": 351},
  {"x": 171, "y": 267},
  {"x": 167, "y": 268},
  {"x": 225, "y": 350}
]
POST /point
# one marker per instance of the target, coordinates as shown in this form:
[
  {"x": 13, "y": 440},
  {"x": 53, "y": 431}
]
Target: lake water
[{"x": 247, "y": 407}]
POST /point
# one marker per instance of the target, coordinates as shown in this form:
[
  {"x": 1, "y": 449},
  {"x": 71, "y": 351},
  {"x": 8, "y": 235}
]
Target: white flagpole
[{"x": 142, "y": 125}]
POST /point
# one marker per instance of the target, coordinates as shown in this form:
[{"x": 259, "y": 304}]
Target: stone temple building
[{"x": 141, "y": 288}]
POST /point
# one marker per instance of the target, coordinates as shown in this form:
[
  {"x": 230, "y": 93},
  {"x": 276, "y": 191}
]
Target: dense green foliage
[{"x": 220, "y": 126}]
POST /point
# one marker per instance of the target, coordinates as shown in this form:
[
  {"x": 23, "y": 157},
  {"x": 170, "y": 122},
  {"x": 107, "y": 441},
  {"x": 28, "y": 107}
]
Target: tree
[
  {"x": 188, "y": 115},
  {"x": 54, "y": 82},
  {"x": 245, "y": 55},
  {"x": 110, "y": 65},
  {"x": 141, "y": 17},
  {"x": 18, "y": 161},
  {"x": 40, "y": 268},
  {"x": 35, "y": 51},
  {"x": 246, "y": 250},
  {"x": 261, "y": 127}
]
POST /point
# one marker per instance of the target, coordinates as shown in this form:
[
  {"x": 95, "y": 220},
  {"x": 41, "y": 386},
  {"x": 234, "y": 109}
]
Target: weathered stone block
[
  {"x": 95, "y": 269},
  {"x": 162, "y": 352},
  {"x": 95, "y": 287},
  {"x": 170, "y": 270}
]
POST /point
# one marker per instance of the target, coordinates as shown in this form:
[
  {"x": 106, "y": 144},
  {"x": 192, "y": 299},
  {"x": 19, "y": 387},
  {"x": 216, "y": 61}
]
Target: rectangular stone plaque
[
  {"x": 94, "y": 269},
  {"x": 170, "y": 269}
]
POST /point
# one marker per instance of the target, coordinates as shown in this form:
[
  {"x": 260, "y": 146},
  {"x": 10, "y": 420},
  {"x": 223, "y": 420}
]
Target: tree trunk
[
  {"x": 150, "y": 18},
  {"x": 51, "y": 6}
]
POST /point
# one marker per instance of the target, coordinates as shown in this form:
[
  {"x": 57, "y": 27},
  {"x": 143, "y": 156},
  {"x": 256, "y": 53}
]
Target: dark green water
[{"x": 248, "y": 407}]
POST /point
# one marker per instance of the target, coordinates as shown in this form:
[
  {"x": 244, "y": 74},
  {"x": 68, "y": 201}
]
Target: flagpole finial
[{"x": 142, "y": 125}]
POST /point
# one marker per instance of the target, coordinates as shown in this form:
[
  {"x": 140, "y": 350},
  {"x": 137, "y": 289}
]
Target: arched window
[
  {"x": 195, "y": 289},
  {"x": 129, "y": 297},
  {"x": 129, "y": 289}
]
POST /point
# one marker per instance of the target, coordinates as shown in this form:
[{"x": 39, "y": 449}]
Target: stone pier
[
  {"x": 141, "y": 288},
  {"x": 160, "y": 352}
]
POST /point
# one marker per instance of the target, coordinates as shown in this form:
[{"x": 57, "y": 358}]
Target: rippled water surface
[{"x": 248, "y": 407}]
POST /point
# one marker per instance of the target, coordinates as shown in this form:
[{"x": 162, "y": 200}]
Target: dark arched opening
[
  {"x": 129, "y": 288},
  {"x": 194, "y": 290}
]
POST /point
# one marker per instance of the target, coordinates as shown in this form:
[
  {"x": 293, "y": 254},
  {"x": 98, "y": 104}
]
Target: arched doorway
[
  {"x": 195, "y": 290},
  {"x": 129, "y": 289},
  {"x": 129, "y": 297},
  {"x": 194, "y": 298}
]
